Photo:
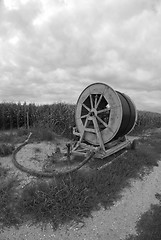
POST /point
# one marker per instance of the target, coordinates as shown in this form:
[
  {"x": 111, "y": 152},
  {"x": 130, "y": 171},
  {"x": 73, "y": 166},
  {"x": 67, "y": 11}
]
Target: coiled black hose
[{"x": 41, "y": 173}]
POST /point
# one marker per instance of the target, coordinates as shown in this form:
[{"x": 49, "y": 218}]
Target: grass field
[{"x": 73, "y": 196}]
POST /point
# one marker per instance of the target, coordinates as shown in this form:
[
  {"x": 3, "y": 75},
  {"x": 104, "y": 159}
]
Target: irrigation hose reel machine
[{"x": 103, "y": 118}]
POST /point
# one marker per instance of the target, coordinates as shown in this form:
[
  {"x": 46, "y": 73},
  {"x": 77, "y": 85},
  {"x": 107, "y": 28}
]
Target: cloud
[{"x": 51, "y": 50}]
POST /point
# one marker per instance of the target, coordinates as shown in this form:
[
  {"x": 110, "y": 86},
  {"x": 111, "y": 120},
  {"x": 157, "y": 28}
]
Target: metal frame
[
  {"x": 102, "y": 150},
  {"x": 99, "y": 118}
]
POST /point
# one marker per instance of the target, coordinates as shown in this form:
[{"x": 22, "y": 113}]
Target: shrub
[
  {"x": 6, "y": 149},
  {"x": 8, "y": 201}
]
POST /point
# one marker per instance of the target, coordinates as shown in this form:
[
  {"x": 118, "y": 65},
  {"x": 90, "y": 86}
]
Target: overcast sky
[{"x": 50, "y": 50}]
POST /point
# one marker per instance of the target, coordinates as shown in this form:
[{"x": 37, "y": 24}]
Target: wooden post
[
  {"x": 27, "y": 118},
  {"x": 18, "y": 126}
]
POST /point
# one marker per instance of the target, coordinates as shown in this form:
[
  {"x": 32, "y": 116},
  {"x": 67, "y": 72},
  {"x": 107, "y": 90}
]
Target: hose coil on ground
[{"x": 41, "y": 173}]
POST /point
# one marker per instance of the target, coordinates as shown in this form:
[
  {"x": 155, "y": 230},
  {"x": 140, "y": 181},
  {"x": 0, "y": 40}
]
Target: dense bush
[{"x": 6, "y": 149}]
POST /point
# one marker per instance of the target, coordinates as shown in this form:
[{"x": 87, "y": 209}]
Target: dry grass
[
  {"x": 75, "y": 196},
  {"x": 8, "y": 199}
]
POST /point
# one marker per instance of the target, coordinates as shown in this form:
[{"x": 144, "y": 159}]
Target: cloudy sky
[{"x": 50, "y": 50}]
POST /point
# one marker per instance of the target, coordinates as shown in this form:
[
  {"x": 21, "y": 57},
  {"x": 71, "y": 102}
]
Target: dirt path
[{"x": 113, "y": 224}]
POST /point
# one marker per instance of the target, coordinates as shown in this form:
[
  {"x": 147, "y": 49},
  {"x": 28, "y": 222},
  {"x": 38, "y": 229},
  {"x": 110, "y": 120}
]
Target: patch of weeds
[
  {"x": 22, "y": 132},
  {"x": 3, "y": 171},
  {"x": 7, "y": 137},
  {"x": 37, "y": 150},
  {"x": 156, "y": 141},
  {"x": 148, "y": 227},
  {"x": 13, "y": 137},
  {"x": 8, "y": 201},
  {"x": 43, "y": 134},
  {"x": 6, "y": 149},
  {"x": 67, "y": 200},
  {"x": 36, "y": 157}
]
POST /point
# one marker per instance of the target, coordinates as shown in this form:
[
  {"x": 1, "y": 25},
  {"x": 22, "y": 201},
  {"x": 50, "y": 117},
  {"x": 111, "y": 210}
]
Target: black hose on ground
[{"x": 41, "y": 173}]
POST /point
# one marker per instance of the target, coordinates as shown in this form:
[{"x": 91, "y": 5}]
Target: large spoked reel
[{"x": 103, "y": 117}]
